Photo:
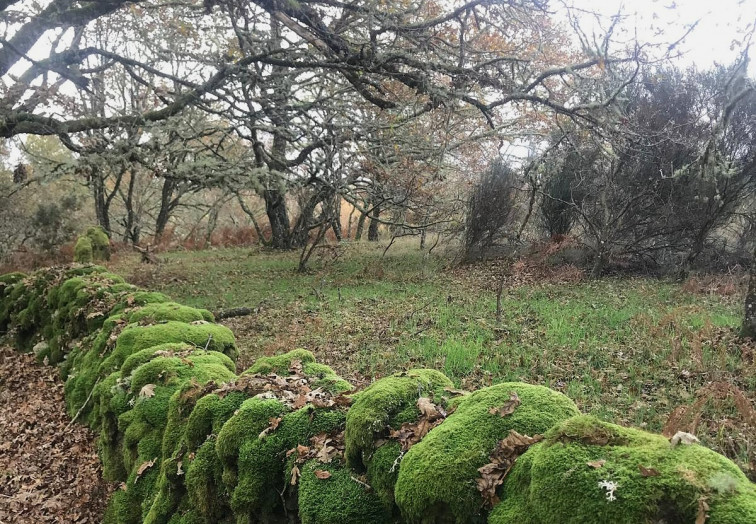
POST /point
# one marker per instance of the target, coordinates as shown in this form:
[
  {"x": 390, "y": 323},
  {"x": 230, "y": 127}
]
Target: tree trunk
[
  {"x": 336, "y": 221},
  {"x": 749, "y": 321},
  {"x": 166, "y": 206},
  {"x": 374, "y": 223},
  {"x": 275, "y": 208},
  {"x": 360, "y": 227},
  {"x": 101, "y": 204}
]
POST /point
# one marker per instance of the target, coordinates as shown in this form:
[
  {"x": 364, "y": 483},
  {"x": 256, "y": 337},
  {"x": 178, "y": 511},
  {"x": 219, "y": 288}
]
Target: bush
[{"x": 491, "y": 208}]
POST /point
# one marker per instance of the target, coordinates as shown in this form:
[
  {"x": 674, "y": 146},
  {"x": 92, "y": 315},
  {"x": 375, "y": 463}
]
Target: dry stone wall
[{"x": 286, "y": 441}]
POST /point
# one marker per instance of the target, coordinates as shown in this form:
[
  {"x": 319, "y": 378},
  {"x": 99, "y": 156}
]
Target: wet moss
[{"x": 436, "y": 476}]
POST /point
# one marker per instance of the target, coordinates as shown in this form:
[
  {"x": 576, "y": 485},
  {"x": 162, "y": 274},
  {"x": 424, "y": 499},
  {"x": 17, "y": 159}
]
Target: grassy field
[{"x": 629, "y": 351}]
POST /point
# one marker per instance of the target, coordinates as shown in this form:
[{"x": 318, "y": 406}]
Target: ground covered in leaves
[{"x": 49, "y": 471}]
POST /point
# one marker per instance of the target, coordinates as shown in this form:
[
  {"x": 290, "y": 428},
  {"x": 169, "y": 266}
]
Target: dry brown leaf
[
  {"x": 294, "y": 475},
  {"x": 502, "y": 459},
  {"x": 322, "y": 474},
  {"x": 508, "y": 407},
  {"x": 147, "y": 391},
  {"x": 295, "y": 368},
  {"x": 703, "y": 511},
  {"x": 274, "y": 422},
  {"x": 144, "y": 467},
  {"x": 647, "y": 472},
  {"x": 597, "y": 463},
  {"x": 427, "y": 408}
]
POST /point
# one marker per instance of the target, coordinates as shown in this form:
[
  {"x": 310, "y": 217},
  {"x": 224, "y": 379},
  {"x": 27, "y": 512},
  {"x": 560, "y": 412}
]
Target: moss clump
[
  {"x": 203, "y": 336},
  {"x": 262, "y": 460},
  {"x": 324, "y": 377},
  {"x": 83, "y": 252},
  {"x": 556, "y": 482},
  {"x": 436, "y": 477},
  {"x": 280, "y": 364},
  {"x": 151, "y": 389},
  {"x": 384, "y": 404},
  {"x": 252, "y": 417},
  {"x": 383, "y": 471},
  {"x": 164, "y": 311},
  {"x": 338, "y": 499},
  {"x": 100, "y": 243}
]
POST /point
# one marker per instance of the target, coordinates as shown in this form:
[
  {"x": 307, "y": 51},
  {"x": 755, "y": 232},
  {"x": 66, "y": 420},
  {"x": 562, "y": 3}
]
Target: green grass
[{"x": 628, "y": 351}]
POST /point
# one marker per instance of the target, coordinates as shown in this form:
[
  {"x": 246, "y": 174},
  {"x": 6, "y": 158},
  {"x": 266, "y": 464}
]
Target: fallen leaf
[
  {"x": 147, "y": 391},
  {"x": 294, "y": 475},
  {"x": 502, "y": 459},
  {"x": 274, "y": 422},
  {"x": 144, "y": 467},
  {"x": 597, "y": 463},
  {"x": 508, "y": 407},
  {"x": 647, "y": 472},
  {"x": 703, "y": 511},
  {"x": 322, "y": 474}
]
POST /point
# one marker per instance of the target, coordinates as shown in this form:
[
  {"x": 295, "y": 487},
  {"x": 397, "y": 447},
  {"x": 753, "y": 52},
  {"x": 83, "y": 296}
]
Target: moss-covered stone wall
[{"x": 191, "y": 441}]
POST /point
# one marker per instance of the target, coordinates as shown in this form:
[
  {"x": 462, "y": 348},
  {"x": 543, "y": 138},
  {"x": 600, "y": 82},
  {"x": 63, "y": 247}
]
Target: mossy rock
[
  {"x": 324, "y": 376},
  {"x": 436, "y": 481},
  {"x": 559, "y": 480},
  {"x": 83, "y": 251},
  {"x": 385, "y": 404},
  {"x": 252, "y": 417},
  {"x": 152, "y": 386},
  {"x": 262, "y": 460},
  {"x": 211, "y": 337},
  {"x": 338, "y": 499}
]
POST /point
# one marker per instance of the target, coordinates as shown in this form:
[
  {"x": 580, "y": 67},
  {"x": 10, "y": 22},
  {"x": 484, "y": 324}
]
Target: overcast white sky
[{"x": 720, "y": 24}]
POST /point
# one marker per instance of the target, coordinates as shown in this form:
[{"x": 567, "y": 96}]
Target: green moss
[
  {"x": 383, "y": 471},
  {"x": 436, "y": 476},
  {"x": 250, "y": 419},
  {"x": 135, "y": 338},
  {"x": 83, "y": 251},
  {"x": 100, "y": 243},
  {"x": 161, "y": 312},
  {"x": 152, "y": 393},
  {"x": 262, "y": 461},
  {"x": 325, "y": 378},
  {"x": 138, "y": 299},
  {"x": 375, "y": 408},
  {"x": 279, "y": 364},
  {"x": 561, "y": 486},
  {"x": 338, "y": 499}
]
